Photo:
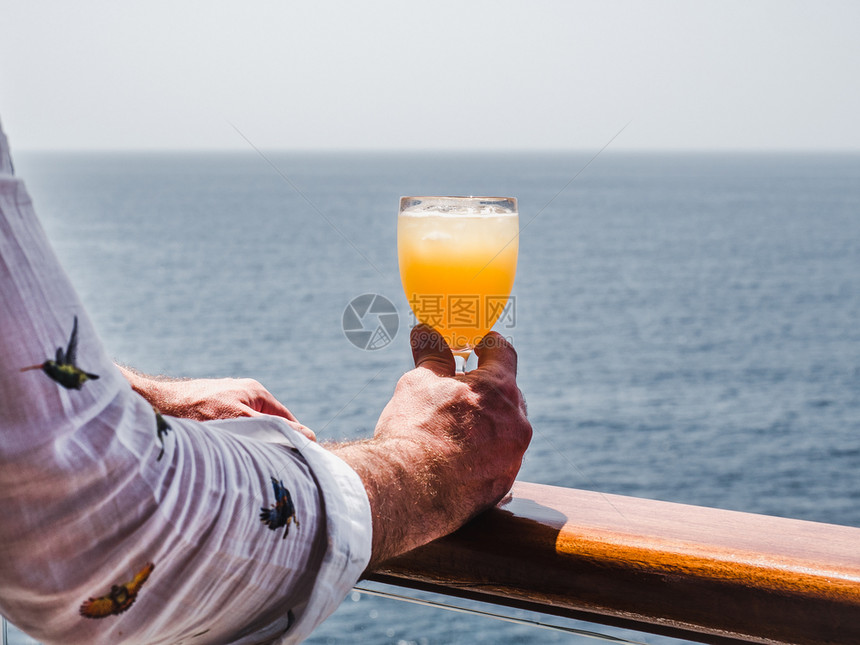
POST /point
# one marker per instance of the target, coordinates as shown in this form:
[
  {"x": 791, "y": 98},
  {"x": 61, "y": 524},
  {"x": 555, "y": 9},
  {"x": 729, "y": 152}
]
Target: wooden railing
[{"x": 702, "y": 574}]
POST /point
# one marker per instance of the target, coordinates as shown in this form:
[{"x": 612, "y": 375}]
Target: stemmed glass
[{"x": 458, "y": 259}]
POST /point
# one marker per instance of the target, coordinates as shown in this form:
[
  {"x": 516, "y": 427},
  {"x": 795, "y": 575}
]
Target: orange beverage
[{"x": 458, "y": 259}]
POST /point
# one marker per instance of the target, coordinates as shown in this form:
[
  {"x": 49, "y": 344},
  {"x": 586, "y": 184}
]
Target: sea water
[{"x": 687, "y": 324}]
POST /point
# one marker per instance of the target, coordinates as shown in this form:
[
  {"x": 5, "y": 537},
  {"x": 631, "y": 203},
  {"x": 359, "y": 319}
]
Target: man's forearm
[
  {"x": 412, "y": 491},
  {"x": 167, "y": 395}
]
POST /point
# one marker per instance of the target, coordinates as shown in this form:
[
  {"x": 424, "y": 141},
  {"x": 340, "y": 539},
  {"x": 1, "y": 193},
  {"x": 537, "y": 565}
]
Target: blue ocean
[{"x": 688, "y": 325}]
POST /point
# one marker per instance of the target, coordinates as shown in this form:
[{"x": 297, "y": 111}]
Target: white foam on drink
[{"x": 441, "y": 211}]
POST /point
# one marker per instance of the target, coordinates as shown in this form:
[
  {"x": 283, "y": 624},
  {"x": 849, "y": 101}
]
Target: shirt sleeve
[{"x": 122, "y": 525}]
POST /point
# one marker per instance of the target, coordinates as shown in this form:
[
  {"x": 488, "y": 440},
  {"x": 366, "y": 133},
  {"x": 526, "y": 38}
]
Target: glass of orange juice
[{"x": 458, "y": 259}]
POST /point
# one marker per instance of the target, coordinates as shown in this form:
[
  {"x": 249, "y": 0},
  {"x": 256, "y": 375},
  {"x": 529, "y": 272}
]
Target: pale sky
[{"x": 542, "y": 74}]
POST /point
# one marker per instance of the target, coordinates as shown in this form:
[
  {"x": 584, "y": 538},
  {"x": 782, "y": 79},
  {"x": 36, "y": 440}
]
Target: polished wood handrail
[{"x": 703, "y": 574}]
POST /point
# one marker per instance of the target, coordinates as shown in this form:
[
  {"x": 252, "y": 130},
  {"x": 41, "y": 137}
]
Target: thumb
[
  {"x": 430, "y": 350},
  {"x": 496, "y": 354}
]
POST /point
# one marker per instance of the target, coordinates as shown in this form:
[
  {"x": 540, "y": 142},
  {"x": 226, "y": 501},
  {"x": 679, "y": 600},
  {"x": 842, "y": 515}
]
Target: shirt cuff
[{"x": 349, "y": 527}]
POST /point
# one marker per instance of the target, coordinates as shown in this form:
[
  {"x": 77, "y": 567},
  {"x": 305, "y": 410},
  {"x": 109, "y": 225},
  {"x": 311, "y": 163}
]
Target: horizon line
[{"x": 446, "y": 151}]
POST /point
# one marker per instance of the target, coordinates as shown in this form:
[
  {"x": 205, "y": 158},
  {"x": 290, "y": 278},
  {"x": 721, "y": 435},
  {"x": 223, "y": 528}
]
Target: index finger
[
  {"x": 497, "y": 355},
  {"x": 271, "y": 405},
  {"x": 295, "y": 425}
]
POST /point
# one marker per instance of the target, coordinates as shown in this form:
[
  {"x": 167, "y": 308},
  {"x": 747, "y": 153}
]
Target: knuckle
[
  {"x": 251, "y": 384},
  {"x": 526, "y": 434},
  {"x": 502, "y": 389},
  {"x": 412, "y": 379}
]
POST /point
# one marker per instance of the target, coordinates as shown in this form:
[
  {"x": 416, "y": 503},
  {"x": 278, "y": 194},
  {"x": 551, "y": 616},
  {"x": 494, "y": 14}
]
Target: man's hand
[
  {"x": 446, "y": 447},
  {"x": 207, "y": 399}
]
